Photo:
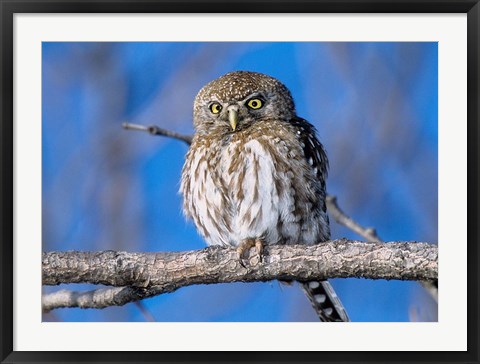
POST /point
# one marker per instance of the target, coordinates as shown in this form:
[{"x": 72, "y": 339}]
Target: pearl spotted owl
[{"x": 255, "y": 173}]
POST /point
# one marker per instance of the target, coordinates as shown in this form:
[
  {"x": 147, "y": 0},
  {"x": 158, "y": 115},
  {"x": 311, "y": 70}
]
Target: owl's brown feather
[{"x": 262, "y": 178}]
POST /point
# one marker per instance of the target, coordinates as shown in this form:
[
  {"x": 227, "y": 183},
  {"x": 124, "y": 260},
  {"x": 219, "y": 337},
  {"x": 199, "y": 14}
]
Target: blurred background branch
[{"x": 142, "y": 275}]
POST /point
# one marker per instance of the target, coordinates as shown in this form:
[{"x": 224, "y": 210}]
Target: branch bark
[
  {"x": 142, "y": 275},
  {"x": 371, "y": 235}
]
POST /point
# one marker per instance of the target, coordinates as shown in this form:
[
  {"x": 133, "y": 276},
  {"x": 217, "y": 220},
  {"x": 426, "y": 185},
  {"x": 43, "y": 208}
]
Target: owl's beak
[{"x": 233, "y": 118}]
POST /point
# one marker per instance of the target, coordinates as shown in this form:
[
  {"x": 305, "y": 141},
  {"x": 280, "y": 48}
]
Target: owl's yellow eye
[
  {"x": 215, "y": 108},
  {"x": 255, "y": 104}
]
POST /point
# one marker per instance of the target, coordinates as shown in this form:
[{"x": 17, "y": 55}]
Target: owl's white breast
[
  {"x": 242, "y": 191},
  {"x": 256, "y": 205}
]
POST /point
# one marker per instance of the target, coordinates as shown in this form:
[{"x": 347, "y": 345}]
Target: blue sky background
[{"x": 374, "y": 106}]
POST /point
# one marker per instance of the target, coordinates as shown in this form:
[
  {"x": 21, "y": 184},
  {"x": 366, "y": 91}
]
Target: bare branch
[
  {"x": 99, "y": 298},
  {"x": 142, "y": 275},
  {"x": 155, "y": 130},
  {"x": 370, "y": 234}
]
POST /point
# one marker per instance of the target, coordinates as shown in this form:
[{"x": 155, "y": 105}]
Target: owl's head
[{"x": 237, "y": 100}]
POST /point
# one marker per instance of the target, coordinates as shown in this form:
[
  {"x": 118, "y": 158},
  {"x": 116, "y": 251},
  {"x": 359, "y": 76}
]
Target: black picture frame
[{"x": 10, "y": 7}]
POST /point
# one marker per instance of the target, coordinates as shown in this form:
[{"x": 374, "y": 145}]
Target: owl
[{"x": 255, "y": 174}]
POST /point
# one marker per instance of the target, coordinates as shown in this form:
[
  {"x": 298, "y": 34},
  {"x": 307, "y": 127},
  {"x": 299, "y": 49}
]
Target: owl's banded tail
[{"x": 325, "y": 301}]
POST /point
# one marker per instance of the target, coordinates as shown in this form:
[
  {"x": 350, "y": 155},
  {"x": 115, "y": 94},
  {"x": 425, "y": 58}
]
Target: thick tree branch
[
  {"x": 371, "y": 235},
  {"x": 142, "y": 275}
]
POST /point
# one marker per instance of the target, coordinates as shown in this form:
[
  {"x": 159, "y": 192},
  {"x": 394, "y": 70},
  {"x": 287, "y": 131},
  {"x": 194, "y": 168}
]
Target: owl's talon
[
  {"x": 240, "y": 257},
  {"x": 259, "y": 247},
  {"x": 240, "y": 260},
  {"x": 245, "y": 246}
]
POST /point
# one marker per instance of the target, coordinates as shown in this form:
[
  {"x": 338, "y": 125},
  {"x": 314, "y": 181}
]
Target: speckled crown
[{"x": 235, "y": 86}]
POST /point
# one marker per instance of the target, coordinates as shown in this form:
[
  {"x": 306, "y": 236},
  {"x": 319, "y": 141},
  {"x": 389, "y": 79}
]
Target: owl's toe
[
  {"x": 245, "y": 247},
  {"x": 259, "y": 247}
]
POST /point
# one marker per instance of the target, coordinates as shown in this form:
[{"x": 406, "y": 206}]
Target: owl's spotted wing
[
  {"x": 321, "y": 294},
  {"x": 314, "y": 153}
]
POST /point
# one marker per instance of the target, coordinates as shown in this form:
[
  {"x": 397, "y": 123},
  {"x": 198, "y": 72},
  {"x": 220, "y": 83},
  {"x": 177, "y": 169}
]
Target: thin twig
[
  {"x": 370, "y": 234},
  {"x": 155, "y": 130},
  {"x": 343, "y": 219}
]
